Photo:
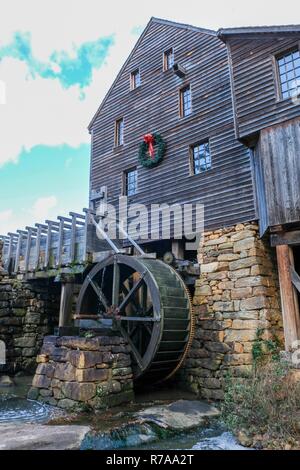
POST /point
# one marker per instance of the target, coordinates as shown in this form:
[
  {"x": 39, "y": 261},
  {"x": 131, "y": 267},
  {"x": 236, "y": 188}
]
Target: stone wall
[
  {"x": 77, "y": 373},
  {"x": 28, "y": 312},
  {"x": 236, "y": 295}
]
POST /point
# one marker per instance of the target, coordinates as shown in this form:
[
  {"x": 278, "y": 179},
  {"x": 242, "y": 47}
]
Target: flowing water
[{"x": 116, "y": 433}]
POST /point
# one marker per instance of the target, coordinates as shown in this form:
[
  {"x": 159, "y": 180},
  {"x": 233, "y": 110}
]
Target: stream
[{"x": 111, "y": 430}]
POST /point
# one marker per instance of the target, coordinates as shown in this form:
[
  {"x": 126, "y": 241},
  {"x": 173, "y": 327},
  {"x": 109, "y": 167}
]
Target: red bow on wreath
[{"x": 149, "y": 140}]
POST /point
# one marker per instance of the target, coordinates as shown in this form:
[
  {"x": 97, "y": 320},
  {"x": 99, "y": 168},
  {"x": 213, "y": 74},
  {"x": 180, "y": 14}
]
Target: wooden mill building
[
  {"x": 227, "y": 104},
  {"x": 223, "y": 112}
]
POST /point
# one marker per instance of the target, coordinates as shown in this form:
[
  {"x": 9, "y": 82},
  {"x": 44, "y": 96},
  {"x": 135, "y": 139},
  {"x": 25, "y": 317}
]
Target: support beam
[
  {"x": 290, "y": 308},
  {"x": 66, "y": 301}
]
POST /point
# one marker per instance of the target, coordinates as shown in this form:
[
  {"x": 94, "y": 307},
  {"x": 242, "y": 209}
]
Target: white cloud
[
  {"x": 5, "y": 215},
  {"x": 42, "y": 207},
  {"x": 41, "y": 112}
]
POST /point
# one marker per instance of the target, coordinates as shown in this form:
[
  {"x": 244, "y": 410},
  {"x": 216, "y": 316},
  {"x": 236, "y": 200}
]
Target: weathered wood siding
[
  {"x": 257, "y": 104},
  {"x": 226, "y": 189},
  {"x": 278, "y": 152}
]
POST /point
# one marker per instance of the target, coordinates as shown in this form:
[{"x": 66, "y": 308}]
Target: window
[
  {"x": 168, "y": 59},
  {"x": 119, "y": 132},
  {"x": 135, "y": 79},
  {"x": 289, "y": 73},
  {"x": 130, "y": 182},
  {"x": 200, "y": 158},
  {"x": 185, "y": 101}
]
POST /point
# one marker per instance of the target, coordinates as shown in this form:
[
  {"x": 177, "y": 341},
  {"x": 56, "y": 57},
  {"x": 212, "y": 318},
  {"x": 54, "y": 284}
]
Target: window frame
[
  {"x": 191, "y": 157},
  {"x": 165, "y": 59},
  {"x": 117, "y": 133},
  {"x": 133, "y": 74},
  {"x": 276, "y": 71},
  {"x": 181, "y": 101},
  {"x": 125, "y": 179}
]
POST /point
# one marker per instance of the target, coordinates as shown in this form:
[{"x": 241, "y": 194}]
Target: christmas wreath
[{"x": 152, "y": 150}]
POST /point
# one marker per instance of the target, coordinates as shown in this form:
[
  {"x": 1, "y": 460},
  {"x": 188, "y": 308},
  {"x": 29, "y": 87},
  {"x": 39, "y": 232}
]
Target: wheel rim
[{"x": 128, "y": 291}]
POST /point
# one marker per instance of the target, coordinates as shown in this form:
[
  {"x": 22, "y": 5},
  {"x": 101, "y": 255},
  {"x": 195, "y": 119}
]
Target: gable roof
[
  {"x": 152, "y": 20},
  {"x": 257, "y": 31}
]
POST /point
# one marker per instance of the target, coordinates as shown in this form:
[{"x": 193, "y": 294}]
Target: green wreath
[{"x": 159, "y": 145}]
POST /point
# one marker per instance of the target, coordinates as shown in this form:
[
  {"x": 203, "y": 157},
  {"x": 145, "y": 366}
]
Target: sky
[{"x": 57, "y": 60}]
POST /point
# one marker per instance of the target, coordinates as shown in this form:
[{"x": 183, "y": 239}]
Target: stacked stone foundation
[
  {"x": 236, "y": 296},
  {"x": 76, "y": 373},
  {"x": 28, "y": 312}
]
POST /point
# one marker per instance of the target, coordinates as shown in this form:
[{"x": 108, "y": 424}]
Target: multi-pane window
[
  {"x": 130, "y": 182},
  {"x": 135, "y": 79},
  {"x": 289, "y": 73},
  {"x": 185, "y": 101},
  {"x": 168, "y": 59},
  {"x": 201, "y": 157},
  {"x": 119, "y": 132}
]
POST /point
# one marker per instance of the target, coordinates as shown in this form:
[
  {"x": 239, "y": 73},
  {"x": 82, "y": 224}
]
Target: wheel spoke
[
  {"x": 99, "y": 292},
  {"x": 135, "y": 352},
  {"x": 116, "y": 284},
  {"x": 133, "y": 302},
  {"x": 131, "y": 293}
]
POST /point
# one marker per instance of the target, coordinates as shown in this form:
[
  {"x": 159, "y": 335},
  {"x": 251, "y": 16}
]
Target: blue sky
[{"x": 57, "y": 60}]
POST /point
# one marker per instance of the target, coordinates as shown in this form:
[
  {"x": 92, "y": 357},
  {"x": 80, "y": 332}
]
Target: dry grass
[{"x": 265, "y": 404}]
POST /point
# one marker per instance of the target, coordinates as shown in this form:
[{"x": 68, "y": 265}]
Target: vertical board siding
[
  {"x": 226, "y": 189},
  {"x": 278, "y": 150}
]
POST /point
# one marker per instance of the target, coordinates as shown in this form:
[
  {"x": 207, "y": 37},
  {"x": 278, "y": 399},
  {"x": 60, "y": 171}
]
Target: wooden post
[
  {"x": 290, "y": 309},
  {"x": 66, "y": 301}
]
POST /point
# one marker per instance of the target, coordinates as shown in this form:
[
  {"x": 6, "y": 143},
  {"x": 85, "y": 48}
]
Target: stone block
[
  {"x": 46, "y": 369},
  {"x": 79, "y": 391},
  {"x": 241, "y": 293},
  {"x": 239, "y": 335},
  {"x": 41, "y": 381},
  {"x": 223, "y": 306},
  {"x": 254, "y": 303},
  {"x": 25, "y": 342},
  {"x": 91, "y": 375},
  {"x": 85, "y": 359},
  {"x": 244, "y": 263},
  {"x": 242, "y": 235},
  {"x": 65, "y": 372},
  {"x": 209, "y": 267}
]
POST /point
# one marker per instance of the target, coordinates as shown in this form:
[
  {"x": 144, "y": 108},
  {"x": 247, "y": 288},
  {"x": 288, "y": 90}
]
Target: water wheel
[{"x": 149, "y": 303}]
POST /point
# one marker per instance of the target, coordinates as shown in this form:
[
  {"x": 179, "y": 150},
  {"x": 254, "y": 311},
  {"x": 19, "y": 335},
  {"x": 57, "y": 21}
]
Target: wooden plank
[
  {"x": 18, "y": 250},
  {"x": 290, "y": 310},
  {"x": 60, "y": 241},
  {"x": 286, "y": 238},
  {"x": 73, "y": 239}
]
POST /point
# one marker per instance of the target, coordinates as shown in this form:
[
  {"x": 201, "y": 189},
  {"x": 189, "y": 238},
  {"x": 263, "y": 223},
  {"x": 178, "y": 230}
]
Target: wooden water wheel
[{"x": 149, "y": 303}]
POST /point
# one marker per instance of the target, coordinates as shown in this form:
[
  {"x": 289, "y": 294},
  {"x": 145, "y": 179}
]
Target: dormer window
[
  {"x": 289, "y": 73},
  {"x": 135, "y": 79},
  {"x": 168, "y": 59}
]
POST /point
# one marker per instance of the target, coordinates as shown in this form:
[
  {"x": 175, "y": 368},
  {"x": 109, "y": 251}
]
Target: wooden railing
[{"x": 51, "y": 245}]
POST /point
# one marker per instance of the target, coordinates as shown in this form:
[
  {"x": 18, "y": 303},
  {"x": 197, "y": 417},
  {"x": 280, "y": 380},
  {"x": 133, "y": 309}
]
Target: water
[
  {"x": 113, "y": 430},
  {"x": 149, "y": 436},
  {"x": 14, "y": 407}
]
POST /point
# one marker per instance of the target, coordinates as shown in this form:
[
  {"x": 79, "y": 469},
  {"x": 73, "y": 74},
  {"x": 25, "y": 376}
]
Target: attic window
[
  {"x": 168, "y": 59},
  {"x": 119, "y": 132},
  {"x": 135, "y": 79},
  {"x": 289, "y": 73},
  {"x": 185, "y": 101}
]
